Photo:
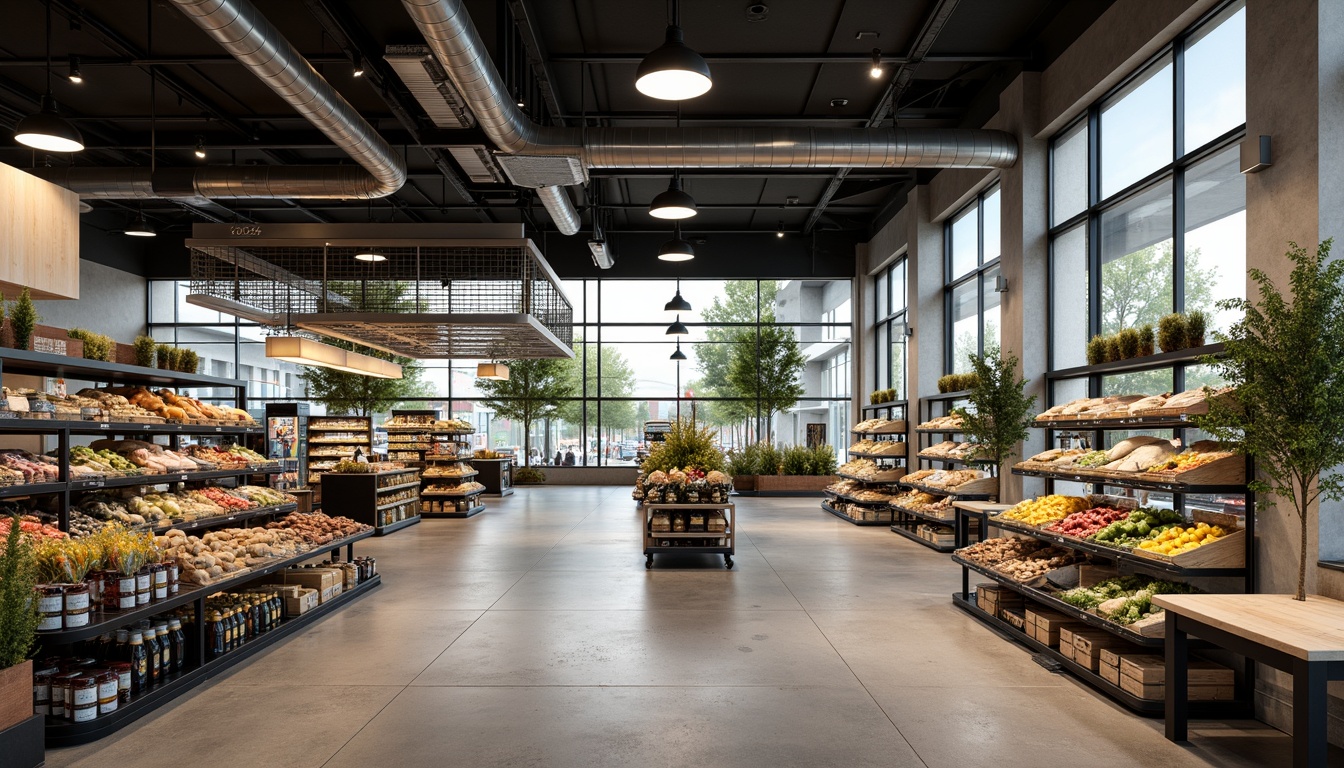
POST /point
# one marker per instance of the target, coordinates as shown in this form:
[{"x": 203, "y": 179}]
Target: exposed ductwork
[
  {"x": 556, "y": 201},
  {"x": 448, "y": 29},
  {"x": 242, "y": 31}
]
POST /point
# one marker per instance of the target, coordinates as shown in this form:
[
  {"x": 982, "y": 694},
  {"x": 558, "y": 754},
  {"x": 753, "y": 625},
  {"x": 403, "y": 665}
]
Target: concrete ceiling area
[{"x": 155, "y": 87}]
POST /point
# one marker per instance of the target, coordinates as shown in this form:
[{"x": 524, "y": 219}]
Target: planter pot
[
  {"x": 45, "y": 339},
  {"x": 793, "y": 483},
  {"x": 16, "y": 694},
  {"x": 744, "y": 482},
  {"x": 23, "y": 744}
]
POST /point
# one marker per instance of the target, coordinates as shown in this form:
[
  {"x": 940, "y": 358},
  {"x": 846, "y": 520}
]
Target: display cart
[
  {"x": 690, "y": 542},
  {"x": 459, "y": 501}
]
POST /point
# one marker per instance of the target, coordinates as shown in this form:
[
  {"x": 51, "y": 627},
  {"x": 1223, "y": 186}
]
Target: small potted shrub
[
  {"x": 1196, "y": 325},
  {"x": 1096, "y": 350},
  {"x": 18, "y": 626},
  {"x": 23, "y": 319},
  {"x": 528, "y": 476},
  {"x": 1147, "y": 340},
  {"x": 1129, "y": 342},
  {"x": 1171, "y": 333},
  {"x": 163, "y": 357},
  {"x": 1113, "y": 353},
  {"x": 146, "y": 351}
]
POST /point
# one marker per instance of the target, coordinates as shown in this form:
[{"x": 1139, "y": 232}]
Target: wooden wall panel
[{"x": 39, "y": 237}]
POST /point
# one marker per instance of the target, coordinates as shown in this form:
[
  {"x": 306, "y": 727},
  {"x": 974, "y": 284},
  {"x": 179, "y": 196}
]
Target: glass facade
[
  {"x": 746, "y": 338},
  {"x": 973, "y": 243},
  {"x": 890, "y": 309}
]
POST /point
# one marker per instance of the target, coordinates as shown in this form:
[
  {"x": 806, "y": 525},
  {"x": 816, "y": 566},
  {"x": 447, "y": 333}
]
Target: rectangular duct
[
  {"x": 422, "y": 75},
  {"x": 479, "y": 166}
]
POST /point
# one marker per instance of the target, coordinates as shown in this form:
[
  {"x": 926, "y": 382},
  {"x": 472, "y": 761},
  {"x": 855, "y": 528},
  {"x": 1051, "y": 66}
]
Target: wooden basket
[
  {"x": 888, "y": 475},
  {"x": 1227, "y": 552},
  {"x": 984, "y": 485},
  {"x": 1230, "y": 470},
  {"x": 897, "y": 427}
]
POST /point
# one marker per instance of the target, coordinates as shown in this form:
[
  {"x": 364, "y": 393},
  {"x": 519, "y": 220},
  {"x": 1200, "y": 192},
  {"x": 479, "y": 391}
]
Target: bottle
[
  {"x": 121, "y": 647},
  {"x": 249, "y": 619},
  {"x": 215, "y": 634},
  {"x": 153, "y": 655},
  {"x": 231, "y": 630},
  {"x": 179, "y": 641},
  {"x": 139, "y": 664},
  {"x": 165, "y": 649}
]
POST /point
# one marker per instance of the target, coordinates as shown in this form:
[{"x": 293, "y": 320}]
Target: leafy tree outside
[
  {"x": 358, "y": 395},
  {"x": 533, "y": 392},
  {"x": 617, "y": 380},
  {"x": 768, "y": 371}
]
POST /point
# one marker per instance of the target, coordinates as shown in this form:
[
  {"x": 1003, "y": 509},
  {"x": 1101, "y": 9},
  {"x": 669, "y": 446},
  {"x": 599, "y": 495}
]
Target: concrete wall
[
  {"x": 111, "y": 302},
  {"x": 1295, "y": 93}
]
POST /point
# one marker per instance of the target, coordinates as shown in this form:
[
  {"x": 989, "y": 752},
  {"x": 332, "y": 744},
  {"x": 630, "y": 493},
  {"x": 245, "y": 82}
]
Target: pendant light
[
  {"x": 140, "y": 227},
  {"x": 492, "y": 371},
  {"x": 673, "y": 203},
  {"x": 672, "y": 71},
  {"x": 678, "y": 355},
  {"x": 677, "y": 304},
  {"x": 677, "y": 249},
  {"x": 370, "y": 255},
  {"x": 677, "y": 328},
  {"x": 305, "y": 351},
  {"x": 45, "y": 129}
]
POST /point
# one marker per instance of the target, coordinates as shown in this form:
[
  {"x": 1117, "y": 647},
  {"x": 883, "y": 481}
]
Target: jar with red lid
[
  {"x": 144, "y": 584},
  {"x": 60, "y": 693},
  {"x": 83, "y": 698},
  {"x": 76, "y": 605},
  {"x": 122, "y": 669},
  {"x": 51, "y": 606}
]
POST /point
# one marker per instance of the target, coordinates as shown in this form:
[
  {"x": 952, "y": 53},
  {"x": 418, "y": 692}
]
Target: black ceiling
[{"x": 787, "y": 68}]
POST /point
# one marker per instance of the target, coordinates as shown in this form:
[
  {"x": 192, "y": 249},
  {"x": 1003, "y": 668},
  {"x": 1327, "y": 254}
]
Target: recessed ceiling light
[{"x": 370, "y": 256}]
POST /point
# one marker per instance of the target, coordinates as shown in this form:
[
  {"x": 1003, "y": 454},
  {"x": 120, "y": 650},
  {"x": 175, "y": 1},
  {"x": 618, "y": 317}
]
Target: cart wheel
[
  {"x": 727, "y": 561},
  {"x": 648, "y": 562}
]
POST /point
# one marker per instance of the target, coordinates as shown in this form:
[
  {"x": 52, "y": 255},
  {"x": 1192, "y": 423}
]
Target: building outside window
[
  {"x": 971, "y": 267},
  {"x": 889, "y": 305}
]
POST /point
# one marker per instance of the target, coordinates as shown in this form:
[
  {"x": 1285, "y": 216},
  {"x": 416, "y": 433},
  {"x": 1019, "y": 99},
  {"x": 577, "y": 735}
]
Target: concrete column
[{"x": 924, "y": 279}]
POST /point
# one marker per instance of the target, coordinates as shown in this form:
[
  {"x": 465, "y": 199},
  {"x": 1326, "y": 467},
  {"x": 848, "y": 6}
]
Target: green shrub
[
  {"x": 18, "y": 609},
  {"x": 1171, "y": 333},
  {"x": 1128, "y": 340},
  {"x": 188, "y": 361},
  {"x": 770, "y": 460},
  {"x": 947, "y": 383},
  {"x": 796, "y": 460},
  {"x": 146, "y": 351},
  {"x": 1096, "y": 350},
  {"x": 1113, "y": 349},
  {"x": 1147, "y": 340},
  {"x": 23, "y": 320},
  {"x": 744, "y": 461},
  {"x": 163, "y": 354},
  {"x": 96, "y": 345},
  {"x": 823, "y": 460},
  {"x": 1196, "y": 325},
  {"x": 528, "y": 475},
  {"x": 686, "y": 445}
]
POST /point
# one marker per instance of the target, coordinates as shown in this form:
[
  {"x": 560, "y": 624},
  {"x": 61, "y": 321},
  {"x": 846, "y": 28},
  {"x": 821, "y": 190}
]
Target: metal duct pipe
[
  {"x": 242, "y": 31},
  {"x": 557, "y": 204},
  {"x": 447, "y": 28}
]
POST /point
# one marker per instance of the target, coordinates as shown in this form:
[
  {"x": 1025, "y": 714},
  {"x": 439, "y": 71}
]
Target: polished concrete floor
[{"x": 532, "y": 635}]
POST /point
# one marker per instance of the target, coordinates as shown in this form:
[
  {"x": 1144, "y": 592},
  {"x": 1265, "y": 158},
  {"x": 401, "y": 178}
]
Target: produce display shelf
[
  {"x": 399, "y": 487},
  {"x": 954, "y": 461},
  {"x": 383, "y": 530},
  {"x": 31, "y": 489},
  {"x": 1112, "y": 553},
  {"x": 476, "y": 510},
  {"x": 62, "y": 733},
  {"x": 462, "y": 476},
  {"x": 80, "y": 369},
  {"x": 949, "y": 521},
  {"x": 169, "y": 477},
  {"x": 453, "y": 494},
  {"x": 946, "y": 491},
  {"x": 863, "y": 455},
  {"x": 849, "y": 519},
  {"x": 878, "y": 434},
  {"x": 938, "y": 431},
  {"x": 1049, "y": 600},
  {"x": 915, "y": 537},
  {"x": 397, "y": 503},
  {"x": 351, "y": 441},
  {"x": 853, "y": 500},
  {"x": 89, "y": 427},
  {"x": 1128, "y": 422},
  {"x": 326, "y": 428},
  {"x": 237, "y": 517},
  {"x": 880, "y": 406},
  {"x": 108, "y": 621},
  {"x": 458, "y": 457},
  {"x": 1213, "y": 710},
  {"x": 1137, "y": 484},
  {"x": 689, "y": 534},
  {"x": 865, "y": 479}
]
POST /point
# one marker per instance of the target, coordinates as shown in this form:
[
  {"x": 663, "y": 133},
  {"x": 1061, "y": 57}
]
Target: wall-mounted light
[
  {"x": 1000, "y": 284},
  {"x": 492, "y": 371},
  {"x": 1255, "y": 154}
]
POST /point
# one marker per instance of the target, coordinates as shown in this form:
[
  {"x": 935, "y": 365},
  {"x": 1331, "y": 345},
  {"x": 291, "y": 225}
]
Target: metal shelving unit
[
  {"x": 660, "y": 542},
  {"x": 363, "y": 498},
  {"x": 889, "y": 411},
  {"x": 320, "y": 430}
]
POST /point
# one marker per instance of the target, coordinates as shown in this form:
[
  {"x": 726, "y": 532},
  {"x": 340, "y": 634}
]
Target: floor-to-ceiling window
[
  {"x": 891, "y": 329},
  {"x": 766, "y": 359},
  {"x": 971, "y": 267}
]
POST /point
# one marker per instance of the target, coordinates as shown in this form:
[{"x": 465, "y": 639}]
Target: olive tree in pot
[
  {"x": 1000, "y": 412},
  {"x": 1285, "y": 358},
  {"x": 18, "y": 626}
]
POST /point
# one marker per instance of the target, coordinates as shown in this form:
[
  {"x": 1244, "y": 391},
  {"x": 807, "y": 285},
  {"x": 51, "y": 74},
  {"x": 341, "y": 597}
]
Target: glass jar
[
  {"x": 60, "y": 693},
  {"x": 51, "y": 606},
  {"x": 42, "y": 693},
  {"x": 76, "y": 605},
  {"x": 144, "y": 585},
  {"x": 83, "y": 698},
  {"x": 160, "y": 573},
  {"x": 118, "y": 592},
  {"x": 122, "y": 669},
  {"x": 107, "y": 692},
  {"x": 174, "y": 576}
]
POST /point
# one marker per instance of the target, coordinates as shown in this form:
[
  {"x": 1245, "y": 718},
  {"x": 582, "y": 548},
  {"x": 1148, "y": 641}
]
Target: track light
[
  {"x": 200, "y": 148},
  {"x": 672, "y": 71},
  {"x": 676, "y": 249},
  {"x": 876, "y": 71},
  {"x": 48, "y": 131},
  {"x": 678, "y": 355},
  {"x": 672, "y": 203},
  {"x": 75, "y": 75},
  {"x": 677, "y": 304},
  {"x": 677, "y": 328},
  {"x": 358, "y": 70},
  {"x": 140, "y": 227},
  {"x": 370, "y": 255},
  {"x": 780, "y": 232}
]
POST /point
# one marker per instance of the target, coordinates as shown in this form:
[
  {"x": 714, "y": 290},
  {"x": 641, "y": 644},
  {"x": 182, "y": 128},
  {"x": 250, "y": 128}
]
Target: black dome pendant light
[
  {"x": 673, "y": 203},
  {"x": 677, "y": 328},
  {"x": 45, "y": 129},
  {"x": 677, "y": 304},
  {"x": 678, "y": 355},
  {"x": 676, "y": 249},
  {"x": 672, "y": 71}
]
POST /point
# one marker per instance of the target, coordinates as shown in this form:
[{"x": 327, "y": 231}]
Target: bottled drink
[{"x": 139, "y": 664}]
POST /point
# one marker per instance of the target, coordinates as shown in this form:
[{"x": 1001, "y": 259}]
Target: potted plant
[
  {"x": 1285, "y": 358},
  {"x": 1000, "y": 412},
  {"x": 18, "y": 626},
  {"x": 23, "y": 319}
]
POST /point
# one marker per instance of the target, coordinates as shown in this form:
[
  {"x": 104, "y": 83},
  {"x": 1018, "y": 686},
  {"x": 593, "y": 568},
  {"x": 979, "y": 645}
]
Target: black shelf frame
[
  {"x": 472, "y": 512},
  {"x": 24, "y": 361},
  {"x": 890, "y": 437},
  {"x": 929, "y": 489},
  {"x": 902, "y": 528},
  {"x": 902, "y": 404},
  {"x": 1136, "y": 484},
  {"x": 1160, "y": 567},
  {"x": 64, "y": 734},
  {"x": 384, "y": 530},
  {"x": 825, "y": 505},
  {"x": 1151, "y": 362}
]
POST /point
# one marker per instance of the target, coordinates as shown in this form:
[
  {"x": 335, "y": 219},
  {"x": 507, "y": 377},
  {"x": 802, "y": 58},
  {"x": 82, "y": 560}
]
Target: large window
[
  {"x": 1147, "y": 204},
  {"x": 890, "y": 331},
  {"x": 972, "y": 243},
  {"x": 622, "y": 375}
]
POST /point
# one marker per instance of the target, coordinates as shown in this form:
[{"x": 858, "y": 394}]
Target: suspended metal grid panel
[{"x": 452, "y": 300}]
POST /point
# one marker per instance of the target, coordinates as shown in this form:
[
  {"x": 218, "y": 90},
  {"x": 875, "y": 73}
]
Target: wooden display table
[{"x": 1305, "y": 639}]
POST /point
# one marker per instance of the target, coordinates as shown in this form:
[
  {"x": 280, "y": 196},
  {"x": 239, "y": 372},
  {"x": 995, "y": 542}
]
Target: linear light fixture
[
  {"x": 304, "y": 351},
  {"x": 492, "y": 371}
]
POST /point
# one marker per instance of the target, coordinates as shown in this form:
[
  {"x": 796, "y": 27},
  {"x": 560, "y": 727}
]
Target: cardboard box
[
  {"x": 1066, "y": 642},
  {"x": 1017, "y": 617},
  {"x": 333, "y": 591},
  {"x": 284, "y": 590},
  {"x": 1148, "y": 669},
  {"x": 1089, "y": 643},
  {"x": 312, "y": 578},
  {"x": 306, "y": 600},
  {"x": 993, "y": 598}
]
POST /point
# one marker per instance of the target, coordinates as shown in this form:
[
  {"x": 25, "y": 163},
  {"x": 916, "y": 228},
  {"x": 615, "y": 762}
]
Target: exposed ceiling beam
[
  {"x": 900, "y": 82},
  {"x": 788, "y": 58},
  {"x": 162, "y": 61},
  {"x": 536, "y": 56}
]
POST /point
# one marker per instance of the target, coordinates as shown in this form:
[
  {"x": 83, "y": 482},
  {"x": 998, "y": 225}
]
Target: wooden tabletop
[
  {"x": 1311, "y": 630},
  {"x": 981, "y": 506}
]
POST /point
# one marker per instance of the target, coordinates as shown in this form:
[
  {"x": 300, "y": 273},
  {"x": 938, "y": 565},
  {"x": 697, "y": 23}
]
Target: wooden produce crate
[
  {"x": 984, "y": 485},
  {"x": 1044, "y": 625},
  {"x": 1089, "y": 643},
  {"x": 994, "y": 598},
  {"x": 1016, "y": 617},
  {"x": 1229, "y": 470},
  {"x": 1109, "y": 666},
  {"x": 1197, "y": 409},
  {"x": 1066, "y": 643},
  {"x": 1144, "y": 676},
  {"x": 1226, "y": 552}
]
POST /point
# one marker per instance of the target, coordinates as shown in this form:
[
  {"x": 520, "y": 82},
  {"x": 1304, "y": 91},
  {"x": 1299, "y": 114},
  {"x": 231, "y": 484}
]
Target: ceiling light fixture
[
  {"x": 358, "y": 70},
  {"x": 492, "y": 371},
  {"x": 876, "y": 71},
  {"x": 673, "y": 203},
  {"x": 304, "y": 351},
  {"x": 678, "y": 355},
  {"x": 676, "y": 249},
  {"x": 780, "y": 232},
  {"x": 75, "y": 75},
  {"x": 677, "y": 304},
  {"x": 140, "y": 227},
  {"x": 672, "y": 71},
  {"x": 45, "y": 129},
  {"x": 200, "y": 147},
  {"x": 370, "y": 255},
  {"x": 677, "y": 328}
]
